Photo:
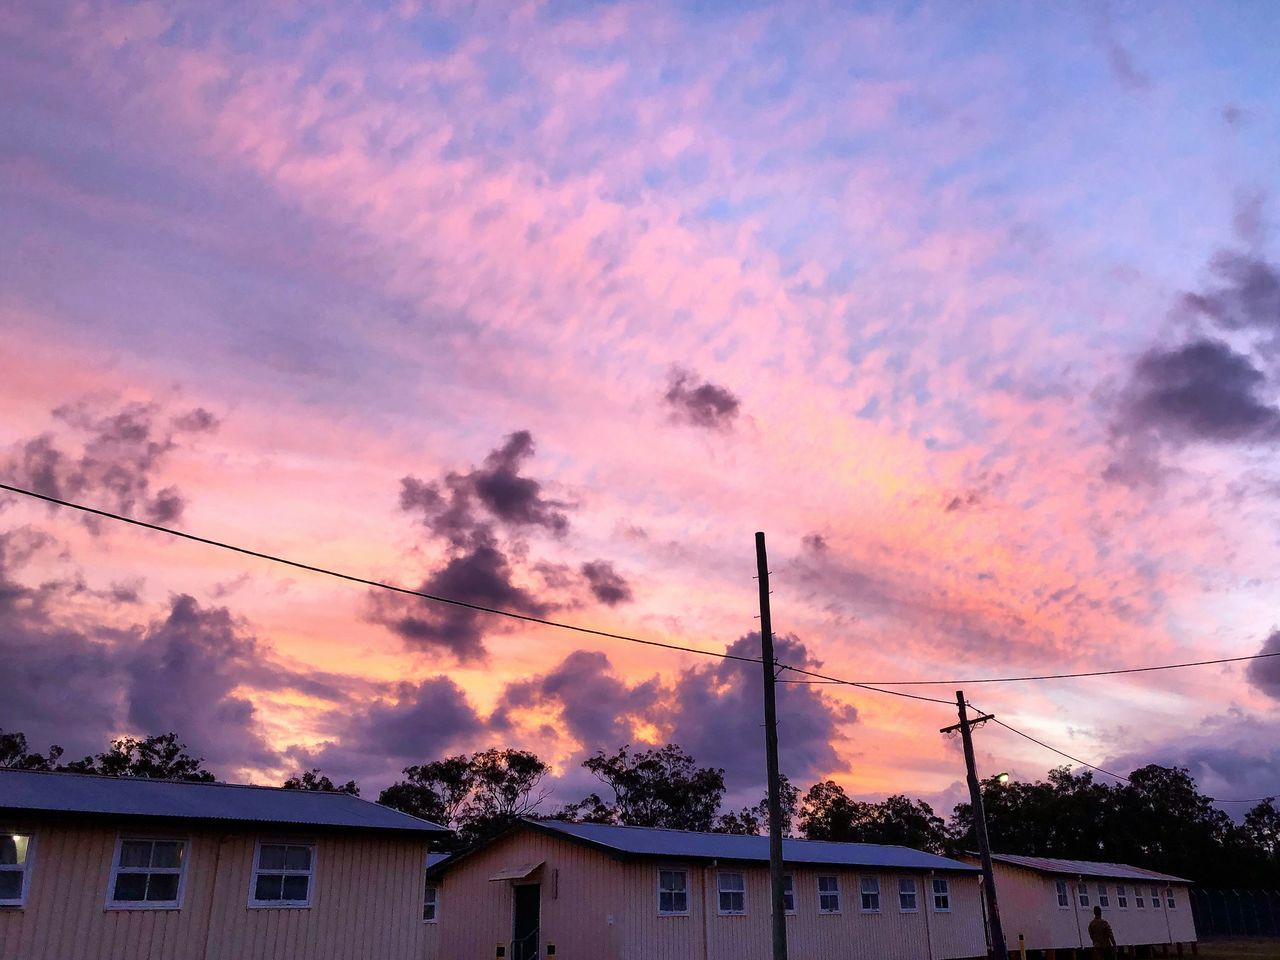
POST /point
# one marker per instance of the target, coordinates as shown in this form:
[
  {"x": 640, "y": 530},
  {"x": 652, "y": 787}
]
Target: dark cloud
[
  {"x": 815, "y": 543},
  {"x": 1124, "y": 70},
  {"x": 456, "y": 506},
  {"x": 121, "y": 455},
  {"x": 607, "y": 585},
  {"x": 1265, "y": 674},
  {"x": 1247, "y": 293},
  {"x": 702, "y": 404},
  {"x": 717, "y": 709},
  {"x": 597, "y": 707},
  {"x": 1201, "y": 391},
  {"x": 480, "y": 575}
]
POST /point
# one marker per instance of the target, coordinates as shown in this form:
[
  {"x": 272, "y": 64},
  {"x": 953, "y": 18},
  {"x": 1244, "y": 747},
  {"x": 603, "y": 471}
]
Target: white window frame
[
  {"x": 24, "y": 868},
  {"x": 1062, "y": 891},
  {"x": 1082, "y": 895},
  {"x": 1170, "y": 901},
  {"x": 721, "y": 891},
  {"x": 944, "y": 893},
  {"x": 1156, "y": 902},
  {"x": 181, "y": 870},
  {"x": 310, "y": 874},
  {"x": 863, "y": 893},
  {"x": 1138, "y": 898},
  {"x": 1122, "y": 897},
  {"x": 1104, "y": 898},
  {"x": 431, "y": 898},
  {"x": 661, "y": 890},
  {"x": 789, "y": 892},
  {"x": 915, "y": 895},
  {"x": 833, "y": 892}
]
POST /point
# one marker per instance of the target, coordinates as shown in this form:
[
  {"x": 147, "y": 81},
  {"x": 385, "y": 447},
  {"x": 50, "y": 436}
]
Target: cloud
[
  {"x": 1200, "y": 391},
  {"x": 480, "y": 575},
  {"x": 120, "y": 456},
  {"x": 460, "y": 503},
  {"x": 1265, "y": 674},
  {"x": 815, "y": 543},
  {"x": 607, "y": 585},
  {"x": 701, "y": 404},
  {"x": 1247, "y": 295}
]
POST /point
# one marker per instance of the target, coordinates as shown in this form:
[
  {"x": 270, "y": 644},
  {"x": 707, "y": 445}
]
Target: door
[{"x": 524, "y": 927}]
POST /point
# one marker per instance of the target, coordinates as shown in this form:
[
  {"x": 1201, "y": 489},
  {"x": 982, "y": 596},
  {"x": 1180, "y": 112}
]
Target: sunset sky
[{"x": 973, "y": 309}]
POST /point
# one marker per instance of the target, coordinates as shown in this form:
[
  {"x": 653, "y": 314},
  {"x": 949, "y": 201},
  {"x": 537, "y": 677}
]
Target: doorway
[{"x": 525, "y": 920}]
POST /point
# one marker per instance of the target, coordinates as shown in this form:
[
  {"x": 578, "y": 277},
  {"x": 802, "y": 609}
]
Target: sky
[{"x": 549, "y": 306}]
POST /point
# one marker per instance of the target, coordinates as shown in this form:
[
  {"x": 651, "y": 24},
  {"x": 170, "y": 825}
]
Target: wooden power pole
[
  {"x": 999, "y": 950},
  {"x": 771, "y": 755}
]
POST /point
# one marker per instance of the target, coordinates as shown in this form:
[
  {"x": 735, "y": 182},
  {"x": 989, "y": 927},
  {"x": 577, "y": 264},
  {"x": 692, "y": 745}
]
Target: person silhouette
[{"x": 1103, "y": 937}]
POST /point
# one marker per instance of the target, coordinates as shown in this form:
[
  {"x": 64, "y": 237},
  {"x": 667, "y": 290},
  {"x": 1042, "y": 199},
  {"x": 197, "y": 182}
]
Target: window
[
  {"x": 870, "y": 894},
  {"x": 1137, "y": 897},
  {"x": 1155, "y": 898},
  {"x": 15, "y": 860},
  {"x": 733, "y": 893},
  {"x": 1104, "y": 901},
  {"x": 673, "y": 892},
  {"x": 941, "y": 895},
  {"x": 1082, "y": 893},
  {"x": 147, "y": 874},
  {"x": 282, "y": 875},
  {"x": 1064, "y": 895},
  {"x": 431, "y": 902},
  {"x": 908, "y": 902},
  {"x": 788, "y": 893},
  {"x": 1122, "y": 896},
  {"x": 1169, "y": 901},
  {"x": 828, "y": 894}
]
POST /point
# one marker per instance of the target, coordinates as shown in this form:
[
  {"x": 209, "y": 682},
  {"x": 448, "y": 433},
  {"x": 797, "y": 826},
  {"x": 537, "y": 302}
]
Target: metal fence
[{"x": 1236, "y": 913}]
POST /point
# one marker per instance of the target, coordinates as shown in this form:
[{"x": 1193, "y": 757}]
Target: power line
[
  {"x": 823, "y": 678},
  {"x": 1069, "y": 676},
  {"x": 352, "y": 578},
  {"x": 1091, "y": 766}
]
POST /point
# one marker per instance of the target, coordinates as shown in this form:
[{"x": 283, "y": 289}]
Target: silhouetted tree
[
  {"x": 14, "y": 754},
  {"x": 755, "y": 819},
  {"x": 828, "y": 813},
  {"x": 660, "y": 787},
  {"x": 313, "y": 779},
  {"x": 161, "y": 757}
]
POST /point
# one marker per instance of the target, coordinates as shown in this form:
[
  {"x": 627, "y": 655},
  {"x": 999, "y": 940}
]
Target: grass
[{"x": 1240, "y": 948}]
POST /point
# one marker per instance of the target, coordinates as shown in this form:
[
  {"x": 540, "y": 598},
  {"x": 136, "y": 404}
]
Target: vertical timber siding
[
  {"x": 366, "y": 902},
  {"x": 595, "y": 906}
]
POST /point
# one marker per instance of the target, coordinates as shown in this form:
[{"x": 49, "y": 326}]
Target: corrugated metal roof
[
  {"x": 688, "y": 844},
  {"x": 1084, "y": 868},
  {"x": 27, "y": 790}
]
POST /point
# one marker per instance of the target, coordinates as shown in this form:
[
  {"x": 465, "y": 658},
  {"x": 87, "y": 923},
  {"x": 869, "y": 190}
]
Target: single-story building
[
  {"x": 104, "y": 867},
  {"x": 1050, "y": 902},
  {"x": 546, "y": 888}
]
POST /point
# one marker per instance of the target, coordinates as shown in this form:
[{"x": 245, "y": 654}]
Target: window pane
[
  {"x": 268, "y": 887},
  {"x": 10, "y": 884},
  {"x": 732, "y": 881},
  {"x": 295, "y": 888},
  {"x": 135, "y": 853},
  {"x": 130, "y": 887},
  {"x": 166, "y": 853},
  {"x": 298, "y": 858},
  {"x": 162, "y": 887},
  {"x": 679, "y": 902},
  {"x": 271, "y": 857},
  {"x": 13, "y": 849},
  {"x": 828, "y": 884}
]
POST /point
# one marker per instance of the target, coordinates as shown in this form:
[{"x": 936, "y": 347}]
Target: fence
[{"x": 1236, "y": 913}]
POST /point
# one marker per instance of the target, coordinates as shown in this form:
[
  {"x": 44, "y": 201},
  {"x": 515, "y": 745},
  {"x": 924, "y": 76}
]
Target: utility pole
[
  {"x": 771, "y": 755},
  {"x": 999, "y": 949}
]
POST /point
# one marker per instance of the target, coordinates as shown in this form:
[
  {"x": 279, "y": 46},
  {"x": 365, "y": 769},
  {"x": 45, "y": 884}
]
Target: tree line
[{"x": 1159, "y": 819}]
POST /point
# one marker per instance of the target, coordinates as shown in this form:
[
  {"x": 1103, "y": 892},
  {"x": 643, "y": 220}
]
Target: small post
[
  {"x": 1022, "y": 947},
  {"x": 771, "y": 755}
]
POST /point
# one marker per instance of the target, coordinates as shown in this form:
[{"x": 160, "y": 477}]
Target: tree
[
  {"x": 477, "y": 796},
  {"x": 828, "y": 813},
  {"x": 754, "y": 820},
  {"x": 1261, "y": 829},
  {"x": 660, "y": 787},
  {"x": 313, "y": 779},
  {"x": 15, "y": 755},
  {"x": 161, "y": 757}
]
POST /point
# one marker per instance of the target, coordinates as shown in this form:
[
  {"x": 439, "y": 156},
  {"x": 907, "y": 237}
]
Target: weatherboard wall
[
  {"x": 366, "y": 901},
  {"x": 596, "y": 906},
  {"x": 1029, "y": 905}
]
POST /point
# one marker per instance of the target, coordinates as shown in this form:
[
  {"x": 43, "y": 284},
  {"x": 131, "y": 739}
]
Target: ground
[{"x": 1240, "y": 948}]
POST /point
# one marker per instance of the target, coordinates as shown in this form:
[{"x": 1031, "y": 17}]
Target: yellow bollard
[{"x": 1022, "y": 947}]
